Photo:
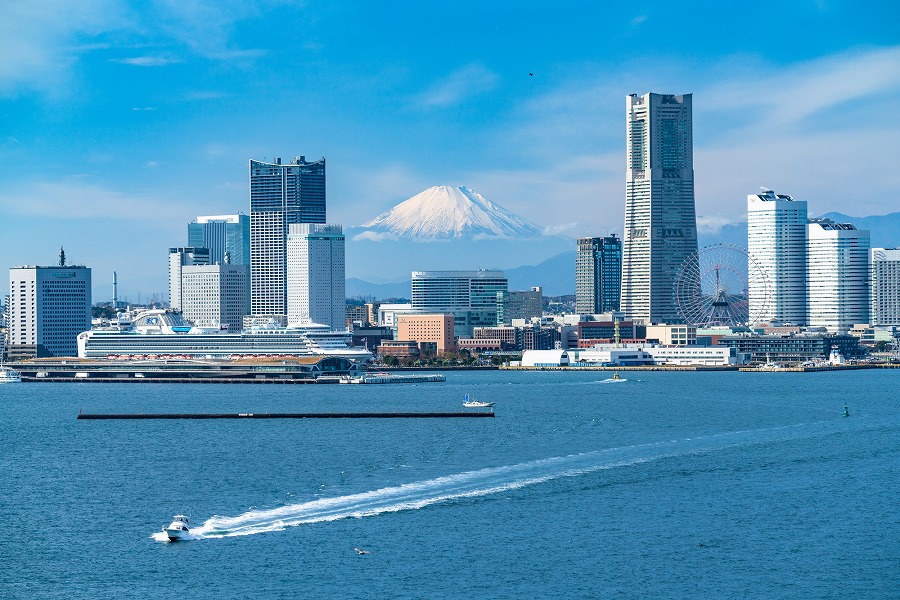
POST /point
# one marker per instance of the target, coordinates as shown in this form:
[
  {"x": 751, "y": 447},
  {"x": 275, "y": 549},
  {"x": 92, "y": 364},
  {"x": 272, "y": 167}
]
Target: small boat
[
  {"x": 7, "y": 375},
  {"x": 476, "y": 403},
  {"x": 178, "y": 529},
  {"x": 615, "y": 379}
]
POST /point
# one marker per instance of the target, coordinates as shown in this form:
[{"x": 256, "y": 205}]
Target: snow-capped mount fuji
[{"x": 445, "y": 212}]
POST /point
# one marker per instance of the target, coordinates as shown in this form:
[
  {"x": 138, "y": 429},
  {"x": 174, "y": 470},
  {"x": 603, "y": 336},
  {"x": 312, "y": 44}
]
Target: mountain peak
[{"x": 444, "y": 212}]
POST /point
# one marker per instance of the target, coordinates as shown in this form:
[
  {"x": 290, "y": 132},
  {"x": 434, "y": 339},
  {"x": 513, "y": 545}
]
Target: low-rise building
[
  {"x": 672, "y": 335},
  {"x": 399, "y": 348},
  {"x": 794, "y": 348},
  {"x": 433, "y": 329}
]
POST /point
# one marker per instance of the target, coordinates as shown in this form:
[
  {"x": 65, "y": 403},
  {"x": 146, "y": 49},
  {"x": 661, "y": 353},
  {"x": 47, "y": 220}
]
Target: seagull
[{"x": 360, "y": 551}]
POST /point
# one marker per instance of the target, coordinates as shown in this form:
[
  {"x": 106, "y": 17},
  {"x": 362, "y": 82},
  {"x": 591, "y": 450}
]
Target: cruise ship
[{"x": 163, "y": 334}]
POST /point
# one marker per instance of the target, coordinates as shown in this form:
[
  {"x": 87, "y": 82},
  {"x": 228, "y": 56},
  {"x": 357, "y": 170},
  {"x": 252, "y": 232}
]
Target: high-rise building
[
  {"x": 215, "y": 295},
  {"x": 837, "y": 275},
  {"x": 315, "y": 275},
  {"x": 516, "y": 304},
  {"x": 48, "y": 308},
  {"x": 280, "y": 196},
  {"x": 471, "y": 296},
  {"x": 885, "y": 291},
  {"x": 660, "y": 220},
  {"x": 776, "y": 240},
  {"x": 178, "y": 259},
  {"x": 598, "y": 274},
  {"x": 222, "y": 235}
]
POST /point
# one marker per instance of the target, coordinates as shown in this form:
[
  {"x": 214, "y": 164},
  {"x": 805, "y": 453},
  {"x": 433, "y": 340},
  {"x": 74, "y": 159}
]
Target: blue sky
[{"x": 121, "y": 121}]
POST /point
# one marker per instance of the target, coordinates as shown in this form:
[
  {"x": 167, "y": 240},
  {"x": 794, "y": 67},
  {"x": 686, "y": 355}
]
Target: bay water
[{"x": 669, "y": 485}]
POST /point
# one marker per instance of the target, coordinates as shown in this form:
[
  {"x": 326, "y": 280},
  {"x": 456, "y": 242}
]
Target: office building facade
[
  {"x": 433, "y": 333},
  {"x": 471, "y": 296},
  {"x": 315, "y": 275},
  {"x": 660, "y": 221},
  {"x": 215, "y": 295},
  {"x": 598, "y": 275},
  {"x": 776, "y": 241},
  {"x": 48, "y": 308},
  {"x": 519, "y": 304},
  {"x": 885, "y": 289},
  {"x": 837, "y": 275},
  {"x": 226, "y": 236},
  {"x": 280, "y": 196},
  {"x": 178, "y": 259}
]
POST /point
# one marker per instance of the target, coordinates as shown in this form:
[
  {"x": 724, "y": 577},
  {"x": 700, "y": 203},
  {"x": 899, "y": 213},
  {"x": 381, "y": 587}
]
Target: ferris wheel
[{"x": 712, "y": 288}]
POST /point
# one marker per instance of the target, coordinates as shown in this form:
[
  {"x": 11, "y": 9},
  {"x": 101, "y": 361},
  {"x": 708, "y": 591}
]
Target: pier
[{"x": 365, "y": 415}]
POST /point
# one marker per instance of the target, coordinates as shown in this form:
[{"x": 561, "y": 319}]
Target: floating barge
[
  {"x": 366, "y": 415},
  {"x": 371, "y": 378}
]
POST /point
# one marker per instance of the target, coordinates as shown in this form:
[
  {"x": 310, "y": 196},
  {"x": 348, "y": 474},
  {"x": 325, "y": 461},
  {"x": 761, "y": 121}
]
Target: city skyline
[{"x": 121, "y": 125}]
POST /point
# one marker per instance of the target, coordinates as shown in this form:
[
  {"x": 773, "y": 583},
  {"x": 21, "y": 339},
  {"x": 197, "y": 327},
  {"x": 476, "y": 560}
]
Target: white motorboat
[
  {"x": 178, "y": 529},
  {"x": 7, "y": 375},
  {"x": 476, "y": 403}
]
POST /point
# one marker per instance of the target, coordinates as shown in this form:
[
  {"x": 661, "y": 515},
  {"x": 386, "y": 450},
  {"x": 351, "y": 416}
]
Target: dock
[{"x": 365, "y": 415}]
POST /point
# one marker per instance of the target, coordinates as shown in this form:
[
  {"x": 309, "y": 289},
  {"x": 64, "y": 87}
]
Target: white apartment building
[
  {"x": 48, "y": 308},
  {"x": 215, "y": 295},
  {"x": 776, "y": 241},
  {"x": 178, "y": 259},
  {"x": 837, "y": 275},
  {"x": 885, "y": 290},
  {"x": 315, "y": 275}
]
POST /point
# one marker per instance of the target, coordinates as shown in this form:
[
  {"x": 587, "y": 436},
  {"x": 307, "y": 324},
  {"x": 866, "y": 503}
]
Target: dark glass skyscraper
[
  {"x": 598, "y": 275},
  {"x": 660, "y": 220},
  {"x": 280, "y": 195}
]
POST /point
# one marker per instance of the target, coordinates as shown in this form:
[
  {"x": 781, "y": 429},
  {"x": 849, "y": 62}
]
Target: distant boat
[
  {"x": 615, "y": 379},
  {"x": 476, "y": 403},
  {"x": 7, "y": 375},
  {"x": 178, "y": 529}
]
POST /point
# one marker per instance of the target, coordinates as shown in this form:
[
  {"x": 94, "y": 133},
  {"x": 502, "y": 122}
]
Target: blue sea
[{"x": 670, "y": 485}]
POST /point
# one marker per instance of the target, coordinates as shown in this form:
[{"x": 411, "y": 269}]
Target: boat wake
[
  {"x": 491, "y": 480},
  {"x": 160, "y": 536},
  {"x": 613, "y": 380}
]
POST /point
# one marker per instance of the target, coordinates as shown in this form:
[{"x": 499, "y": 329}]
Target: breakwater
[{"x": 361, "y": 415}]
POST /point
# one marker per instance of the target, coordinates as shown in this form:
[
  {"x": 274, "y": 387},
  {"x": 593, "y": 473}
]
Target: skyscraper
[
  {"x": 315, "y": 275},
  {"x": 48, "y": 308},
  {"x": 885, "y": 287},
  {"x": 776, "y": 240},
  {"x": 660, "y": 220},
  {"x": 280, "y": 195},
  {"x": 223, "y": 234},
  {"x": 598, "y": 275},
  {"x": 837, "y": 275}
]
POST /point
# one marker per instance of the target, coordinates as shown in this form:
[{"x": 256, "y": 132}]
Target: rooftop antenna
[
  {"x": 115, "y": 291},
  {"x": 62, "y": 257}
]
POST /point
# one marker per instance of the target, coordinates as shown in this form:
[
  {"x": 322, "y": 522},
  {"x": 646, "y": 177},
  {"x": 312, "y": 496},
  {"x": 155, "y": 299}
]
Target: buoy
[{"x": 846, "y": 411}]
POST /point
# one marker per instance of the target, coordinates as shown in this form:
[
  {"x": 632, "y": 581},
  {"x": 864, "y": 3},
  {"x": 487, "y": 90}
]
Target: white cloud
[
  {"x": 147, "y": 61},
  {"x": 373, "y": 236},
  {"x": 458, "y": 87},
  {"x": 40, "y": 41},
  {"x": 713, "y": 223}
]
